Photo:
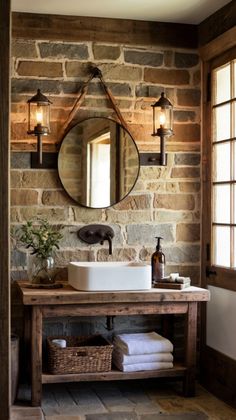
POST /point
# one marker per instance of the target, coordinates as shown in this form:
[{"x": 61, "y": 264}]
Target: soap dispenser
[{"x": 158, "y": 263}]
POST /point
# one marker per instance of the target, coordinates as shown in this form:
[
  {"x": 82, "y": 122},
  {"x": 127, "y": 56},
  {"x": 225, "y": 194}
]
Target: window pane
[
  {"x": 222, "y": 123},
  {"x": 221, "y": 159},
  {"x": 221, "y": 240},
  {"x": 221, "y": 195},
  {"x": 222, "y": 88}
]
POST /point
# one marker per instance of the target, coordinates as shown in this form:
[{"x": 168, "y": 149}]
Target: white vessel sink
[{"x": 104, "y": 276}]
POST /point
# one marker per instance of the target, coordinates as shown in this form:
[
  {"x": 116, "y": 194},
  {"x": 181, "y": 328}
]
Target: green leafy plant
[{"x": 42, "y": 238}]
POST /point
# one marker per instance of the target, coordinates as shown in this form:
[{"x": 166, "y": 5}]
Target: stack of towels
[{"x": 142, "y": 351}]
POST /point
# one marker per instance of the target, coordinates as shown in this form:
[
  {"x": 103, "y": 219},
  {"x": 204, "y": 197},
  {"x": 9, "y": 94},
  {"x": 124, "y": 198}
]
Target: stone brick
[
  {"x": 18, "y": 258},
  {"x": 189, "y": 186},
  {"x": 20, "y": 160},
  {"x": 121, "y": 415},
  {"x": 188, "y": 97},
  {"x": 40, "y": 179},
  {"x": 168, "y": 58},
  {"x": 105, "y": 103},
  {"x": 176, "y": 216},
  {"x": 188, "y": 232},
  {"x": 117, "y": 89},
  {"x": 189, "y": 159},
  {"x": 142, "y": 57},
  {"x": 118, "y": 254},
  {"x": 185, "y": 172},
  {"x": 63, "y": 50},
  {"x": 197, "y": 77},
  {"x": 151, "y": 91},
  {"x": 63, "y": 257},
  {"x": 183, "y": 254},
  {"x": 183, "y": 116},
  {"x": 23, "y": 214},
  {"x": 166, "y": 76},
  {"x": 192, "y": 271},
  {"x": 40, "y": 69},
  {"x": 174, "y": 201},
  {"x": 24, "y": 197},
  {"x": 86, "y": 215},
  {"x": 24, "y": 49},
  {"x": 109, "y": 71},
  {"x": 134, "y": 202},
  {"x": 184, "y": 60},
  {"x": 18, "y": 131},
  {"x": 106, "y": 52},
  {"x": 197, "y": 415},
  {"x": 186, "y": 132},
  {"x": 143, "y": 234},
  {"x": 149, "y": 173},
  {"x": 31, "y": 86},
  {"x": 125, "y": 217},
  {"x": 56, "y": 198},
  {"x": 16, "y": 179}
]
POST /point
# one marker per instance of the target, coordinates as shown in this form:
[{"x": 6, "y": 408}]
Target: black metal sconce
[
  {"x": 39, "y": 120},
  {"x": 162, "y": 127}
]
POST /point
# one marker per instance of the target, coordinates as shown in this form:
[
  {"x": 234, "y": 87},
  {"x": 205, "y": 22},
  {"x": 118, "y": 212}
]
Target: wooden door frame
[
  {"x": 5, "y": 28},
  {"x": 214, "y": 364}
]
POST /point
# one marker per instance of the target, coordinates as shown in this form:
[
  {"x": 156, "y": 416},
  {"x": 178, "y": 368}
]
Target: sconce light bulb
[
  {"x": 162, "y": 119},
  {"x": 39, "y": 117}
]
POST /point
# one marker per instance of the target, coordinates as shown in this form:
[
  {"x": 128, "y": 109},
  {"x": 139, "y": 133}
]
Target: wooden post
[
  {"x": 36, "y": 355},
  {"x": 4, "y": 209},
  {"x": 190, "y": 349}
]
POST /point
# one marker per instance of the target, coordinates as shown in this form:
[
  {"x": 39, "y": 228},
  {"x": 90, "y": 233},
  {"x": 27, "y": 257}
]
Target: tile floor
[{"x": 124, "y": 400}]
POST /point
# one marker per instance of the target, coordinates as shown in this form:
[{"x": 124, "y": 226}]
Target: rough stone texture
[
  {"x": 169, "y": 77},
  {"x": 58, "y": 50},
  {"x": 188, "y": 232},
  {"x": 106, "y": 52},
  {"x": 143, "y": 234},
  {"x": 109, "y": 71},
  {"x": 188, "y": 97},
  {"x": 16, "y": 179},
  {"x": 31, "y": 86},
  {"x": 24, "y": 197},
  {"x": 189, "y": 186},
  {"x": 56, "y": 198},
  {"x": 20, "y": 160},
  {"x": 86, "y": 215},
  {"x": 163, "y": 216},
  {"x": 134, "y": 202},
  {"x": 145, "y": 58},
  {"x": 119, "y": 254},
  {"x": 189, "y": 159},
  {"x": 168, "y": 58},
  {"x": 186, "y": 133},
  {"x": 183, "y": 60},
  {"x": 117, "y": 89},
  {"x": 22, "y": 214},
  {"x": 183, "y": 116},
  {"x": 39, "y": 69},
  {"x": 23, "y": 49},
  {"x": 183, "y": 254},
  {"x": 125, "y": 217},
  {"x": 174, "y": 201},
  {"x": 63, "y": 257},
  {"x": 40, "y": 179},
  {"x": 186, "y": 172}
]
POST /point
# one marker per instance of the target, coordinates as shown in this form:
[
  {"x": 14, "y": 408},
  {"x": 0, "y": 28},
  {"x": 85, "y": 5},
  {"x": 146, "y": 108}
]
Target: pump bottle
[{"x": 158, "y": 263}]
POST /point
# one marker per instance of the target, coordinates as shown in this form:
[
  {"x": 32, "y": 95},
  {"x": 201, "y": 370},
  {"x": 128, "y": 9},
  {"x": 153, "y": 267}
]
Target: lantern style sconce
[
  {"x": 162, "y": 127},
  {"x": 39, "y": 120}
]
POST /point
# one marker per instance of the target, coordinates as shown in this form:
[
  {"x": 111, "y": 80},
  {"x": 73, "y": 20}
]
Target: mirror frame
[{"x": 138, "y": 155}]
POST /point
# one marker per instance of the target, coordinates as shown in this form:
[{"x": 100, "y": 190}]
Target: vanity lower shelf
[{"x": 177, "y": 371}]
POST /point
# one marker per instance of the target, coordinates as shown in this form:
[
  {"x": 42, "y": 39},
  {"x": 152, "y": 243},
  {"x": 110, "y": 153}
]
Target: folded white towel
[
  {"x": 140, "y": 358},
  {"x": 142, "y": 343},
  {"x": 135, "y": 367}
]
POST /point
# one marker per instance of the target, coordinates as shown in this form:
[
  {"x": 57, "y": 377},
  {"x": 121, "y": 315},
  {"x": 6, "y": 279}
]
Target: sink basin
[{"x": 104, "y": 276}]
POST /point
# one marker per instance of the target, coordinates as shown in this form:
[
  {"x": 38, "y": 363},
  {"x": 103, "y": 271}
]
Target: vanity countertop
[{"x": 68, "y": 295}]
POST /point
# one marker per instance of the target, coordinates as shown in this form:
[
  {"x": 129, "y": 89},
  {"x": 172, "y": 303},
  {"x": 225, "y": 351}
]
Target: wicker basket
[{"x": 81, "y": 355}]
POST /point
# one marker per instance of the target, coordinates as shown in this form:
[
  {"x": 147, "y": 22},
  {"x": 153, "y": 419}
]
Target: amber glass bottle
[{"x": 158, "y": 263}]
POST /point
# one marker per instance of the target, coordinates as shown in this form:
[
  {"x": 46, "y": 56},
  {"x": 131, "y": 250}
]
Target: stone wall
[{"x": 166, "y": 201}]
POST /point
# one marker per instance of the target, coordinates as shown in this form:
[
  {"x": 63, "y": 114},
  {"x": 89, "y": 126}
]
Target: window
[{"x": 224, "y": 165}]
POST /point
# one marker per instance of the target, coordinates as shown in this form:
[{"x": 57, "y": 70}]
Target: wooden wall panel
[{"x": 4, "y": 208}]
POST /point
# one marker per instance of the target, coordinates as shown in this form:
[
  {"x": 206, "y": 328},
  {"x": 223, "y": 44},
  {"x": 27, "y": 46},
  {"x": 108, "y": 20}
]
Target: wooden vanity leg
[
  {"x": 190, "y": 349},
  {"x": 36, "y": 356}
]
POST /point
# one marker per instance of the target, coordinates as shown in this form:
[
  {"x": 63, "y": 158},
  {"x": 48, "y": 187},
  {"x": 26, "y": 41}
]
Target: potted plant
[{"x": 42, "y": 239}]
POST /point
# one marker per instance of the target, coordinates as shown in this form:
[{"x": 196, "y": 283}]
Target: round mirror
[{"x": 98, "y": 162}]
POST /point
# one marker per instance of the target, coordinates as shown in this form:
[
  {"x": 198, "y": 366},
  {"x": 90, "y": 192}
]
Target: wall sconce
[
  {"x": 39, "y": 120},
  {"x": 162, "y": 127}
]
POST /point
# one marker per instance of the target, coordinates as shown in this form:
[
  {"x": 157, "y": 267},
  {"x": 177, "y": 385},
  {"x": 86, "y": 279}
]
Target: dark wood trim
[
  {"x": 218, "y": 375},
  {"x": 4, "y": 208},
  {"x": 77, "y": 28},
  {"x": 218, "y": 23}
]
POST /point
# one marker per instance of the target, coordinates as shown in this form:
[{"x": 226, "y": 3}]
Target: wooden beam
[
  {"x": 217, "y": 46},
  {"x": 77, "y": 29},
  {"x": 4, "y": 208},
  {"x": 218, "y": 23}
]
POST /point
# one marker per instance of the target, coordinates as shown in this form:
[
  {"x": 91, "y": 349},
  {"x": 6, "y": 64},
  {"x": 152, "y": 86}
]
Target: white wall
[{"x": 221, "y": 321}]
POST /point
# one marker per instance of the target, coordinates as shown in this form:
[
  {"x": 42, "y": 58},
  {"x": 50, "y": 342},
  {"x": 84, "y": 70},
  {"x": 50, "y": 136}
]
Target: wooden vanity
[{"x": 41, "y": 303}]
